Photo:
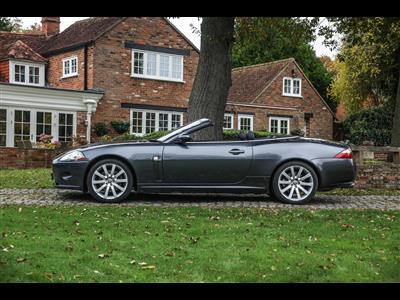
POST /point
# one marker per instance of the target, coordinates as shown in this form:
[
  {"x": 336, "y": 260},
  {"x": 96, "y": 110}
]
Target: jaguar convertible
[{"x": 290, "y": 168}]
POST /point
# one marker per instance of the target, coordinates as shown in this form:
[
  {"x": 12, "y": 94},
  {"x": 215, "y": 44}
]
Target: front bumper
[{"x": 69, "y": 175}]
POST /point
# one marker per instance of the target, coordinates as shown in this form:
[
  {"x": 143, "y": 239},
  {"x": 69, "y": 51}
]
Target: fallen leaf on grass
[
  {"x": 103, "y": 255},
  {"x": 142, "y": 263},
  {"x": 172, "y": 253},
  {"x": 148, "y": 267},
  {"x": 21, "y": 259},
  {"x": 132, "y": 262},
  {"x": 273, "y": 268}
]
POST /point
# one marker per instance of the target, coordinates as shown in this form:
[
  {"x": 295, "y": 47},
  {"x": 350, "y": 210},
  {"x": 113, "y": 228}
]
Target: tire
[
  {"x": 287, "y": 188},
  {"x": 108, "y": 189}
]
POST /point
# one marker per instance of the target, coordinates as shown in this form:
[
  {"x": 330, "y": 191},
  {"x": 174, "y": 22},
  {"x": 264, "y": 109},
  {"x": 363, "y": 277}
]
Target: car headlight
[{"x": 73, "y": 156}]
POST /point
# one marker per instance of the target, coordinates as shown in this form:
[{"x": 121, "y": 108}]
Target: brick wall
[
  {"x": 112, "y": 69},
  {"x": 15, "y": 158},
  {"x": 4, "y": 71},
  {"x": 385, "y": 175},
  {"x": 54, "y": 71}
]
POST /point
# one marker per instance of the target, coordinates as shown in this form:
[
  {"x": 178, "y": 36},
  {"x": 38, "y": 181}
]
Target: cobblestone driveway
[{"x": 51, "y": 197}]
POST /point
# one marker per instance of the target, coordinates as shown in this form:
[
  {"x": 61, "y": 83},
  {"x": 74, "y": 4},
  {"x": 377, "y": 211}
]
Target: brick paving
[{"x": 66, "y": 197}]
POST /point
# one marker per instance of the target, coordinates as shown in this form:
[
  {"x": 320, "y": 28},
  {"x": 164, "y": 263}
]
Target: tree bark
[
  {"x": 396, "y": 118},
  {"x": 213, "y": 78}
]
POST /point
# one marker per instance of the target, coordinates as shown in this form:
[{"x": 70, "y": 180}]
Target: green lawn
[
  {"x": 41, "y": 178},
  {"x": 138, "y": 244}
]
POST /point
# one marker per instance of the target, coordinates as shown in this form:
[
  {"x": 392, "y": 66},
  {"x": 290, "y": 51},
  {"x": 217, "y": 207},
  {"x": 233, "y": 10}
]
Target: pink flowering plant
[{"x": 46, "y": 143}]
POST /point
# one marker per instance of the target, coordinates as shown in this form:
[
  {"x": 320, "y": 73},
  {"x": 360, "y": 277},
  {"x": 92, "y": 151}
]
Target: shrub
[
  {"x": 106, "y": 138},
  {"x": 120, "y": 127},
  {"x": 154, "y": 135},
  {"x": 101, "y": 129},
  {"x": 371, "y": 124},
  {"x": 125, "y": 137},
  {"x": 232, "y": 135}
]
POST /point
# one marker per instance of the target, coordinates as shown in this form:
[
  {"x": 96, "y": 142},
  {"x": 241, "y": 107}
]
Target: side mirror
[{"x": 182, "y": 139}]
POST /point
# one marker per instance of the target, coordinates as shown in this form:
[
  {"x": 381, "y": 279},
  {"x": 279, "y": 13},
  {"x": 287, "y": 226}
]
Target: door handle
[{"x": 236, "y": 151}]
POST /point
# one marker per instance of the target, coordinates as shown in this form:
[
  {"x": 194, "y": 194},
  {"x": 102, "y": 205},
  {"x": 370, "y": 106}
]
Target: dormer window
[
  {"x": 291, "y": 87},
  {"x": 26, "y": 73},
  {"x": 70, "y": 67}
]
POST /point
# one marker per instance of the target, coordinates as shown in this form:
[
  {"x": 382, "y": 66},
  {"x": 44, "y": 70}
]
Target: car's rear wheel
[
  {"x": 295, "y": 182},
  {"x": 110, "y": 181}
]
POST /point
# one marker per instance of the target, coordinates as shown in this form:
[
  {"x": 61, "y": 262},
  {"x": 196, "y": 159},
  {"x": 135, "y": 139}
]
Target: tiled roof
[
  {"x": 31, "y": 43},
  {"x": 248, "y": 82},
  {"x": 20, "y": 50},
  {"x": 79, "y": 33}
]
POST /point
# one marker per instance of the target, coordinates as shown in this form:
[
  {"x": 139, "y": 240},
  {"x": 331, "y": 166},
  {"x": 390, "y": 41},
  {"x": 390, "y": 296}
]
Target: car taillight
[{"x": 347, "y": 153}]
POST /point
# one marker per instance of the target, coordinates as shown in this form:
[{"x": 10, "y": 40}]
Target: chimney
[{"x": 50, "y": 25}]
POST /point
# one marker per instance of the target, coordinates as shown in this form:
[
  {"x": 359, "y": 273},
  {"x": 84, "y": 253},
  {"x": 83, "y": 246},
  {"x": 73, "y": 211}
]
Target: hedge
[{"x": 371, "y": 124}]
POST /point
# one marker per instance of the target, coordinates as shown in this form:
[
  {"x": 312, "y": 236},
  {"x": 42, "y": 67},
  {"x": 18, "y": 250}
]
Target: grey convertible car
[{"x": 289, "y": 168}]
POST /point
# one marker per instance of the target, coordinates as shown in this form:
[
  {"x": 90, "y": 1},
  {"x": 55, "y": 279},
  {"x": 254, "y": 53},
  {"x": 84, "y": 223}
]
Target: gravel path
[{"x": 66, "y": 197}]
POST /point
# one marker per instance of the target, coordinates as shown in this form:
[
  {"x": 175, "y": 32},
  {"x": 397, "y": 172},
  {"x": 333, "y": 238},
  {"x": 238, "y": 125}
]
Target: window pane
[
  {"x": 296, "y": 86},
  {"x": 61, "y": 131},
  {"x": 47, "y": 118},
  {"x": 164, "y": 65},
  {"x": 176, "y": 121},
  {"x": 47, "y": 129},
  {"x": 3, "y": 114},
  {"x": 34, "y": 75},
  {"x": 18, "y": 116},
  {"x": 284, "y": 126},
  {"x": 150, "y": 122},
  {"x": 138, "y": 63},
  {"x": 2, "y": 140},
  {"x": 73, "y": 65},
  {"x": 19, "y": 75},
  {"x": 274, "y": 125},
  {"x": 2, "y": 127},
  {"x": 245, "y": 123},
  {"x": 176, "y": 67},
  {"x": 137, "y": 117},
  {"x": 69, "y": 119},
  {"x": 66, "y": 67},
  {"x": 27, "y": 116},
  {"x": 151, "y": 64},
  {"x": 227, "y": 122},
  {"x": 162, "y": 122},
  {"x": 62, "y": 118},
  {"x": 287, "y": 86}
]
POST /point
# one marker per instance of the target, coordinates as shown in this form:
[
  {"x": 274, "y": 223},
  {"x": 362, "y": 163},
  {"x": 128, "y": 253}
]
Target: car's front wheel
[
  {"x": 110, "y": 181},
  {"x": 295, "y": 182}
]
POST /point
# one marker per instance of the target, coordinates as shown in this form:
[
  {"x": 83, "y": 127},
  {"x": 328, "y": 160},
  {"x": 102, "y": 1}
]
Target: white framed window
[
  {"x": 279, "y": 125},
  {"x": 228, "y": 121},
  {"x": 291, "y": 87},
  {"x": 26, "y": 73},
  {"x": 147, "y": 121},
  {"x": 157, "y": 65},
  {"x": 70, "y": 66},
  {"x": 245, "y": 122},
  {"x": 3, "y": 127},
  {"x": 27, "y": 124}
]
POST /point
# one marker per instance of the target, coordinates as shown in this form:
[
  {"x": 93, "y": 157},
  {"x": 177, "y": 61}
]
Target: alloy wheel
[
  {"x": 295, "y": 183},
  {"x": 109, "y": 181}
]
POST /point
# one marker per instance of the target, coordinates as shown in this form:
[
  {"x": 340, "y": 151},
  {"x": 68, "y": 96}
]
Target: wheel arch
[
  {"x": 110, "y": 156},
  {"x": 310, "y": 163}
]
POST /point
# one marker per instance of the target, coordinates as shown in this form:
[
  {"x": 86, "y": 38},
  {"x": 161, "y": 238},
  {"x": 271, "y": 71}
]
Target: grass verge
[{"x": 138, "y": 244}]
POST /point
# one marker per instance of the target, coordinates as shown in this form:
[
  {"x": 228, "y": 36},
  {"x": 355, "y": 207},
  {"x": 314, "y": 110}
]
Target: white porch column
[{"x": 91, "y": 107}]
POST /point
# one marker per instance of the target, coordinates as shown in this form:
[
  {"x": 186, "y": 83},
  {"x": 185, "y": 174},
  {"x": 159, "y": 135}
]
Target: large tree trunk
[
  {"x": 213, "y": 78},
  {"x": 396, "y": 118}
]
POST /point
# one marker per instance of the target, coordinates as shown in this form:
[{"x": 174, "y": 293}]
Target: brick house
[
  {"x": 139, "y": 70},
  {"x": 278, "y": 97}
]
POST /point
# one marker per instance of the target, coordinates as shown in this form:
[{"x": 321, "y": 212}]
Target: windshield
[{"x": 180, "y": 130}]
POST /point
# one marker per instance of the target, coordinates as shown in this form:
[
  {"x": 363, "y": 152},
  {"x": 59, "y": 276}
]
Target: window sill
[
  {"x": 69, "y": 76},
  {"x": 292, "y": 95},
  {"x": 157, "y": 78},
  {"x": 26, "y": 84}
]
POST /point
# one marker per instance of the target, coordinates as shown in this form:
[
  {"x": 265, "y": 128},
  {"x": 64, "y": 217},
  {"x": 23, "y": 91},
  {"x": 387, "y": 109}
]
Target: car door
[{"x": 206, "y": 163}]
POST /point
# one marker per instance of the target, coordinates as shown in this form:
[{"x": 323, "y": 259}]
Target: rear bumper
[
  {"x": 69, "y": 175},
  {"x": 335, "y": 173}
]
